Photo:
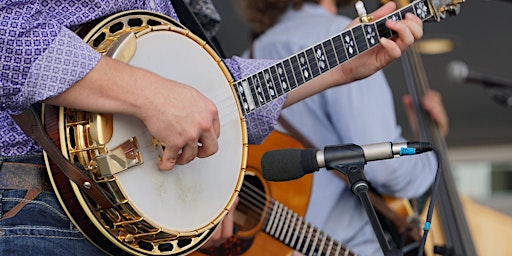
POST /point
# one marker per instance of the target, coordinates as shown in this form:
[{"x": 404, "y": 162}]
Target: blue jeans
[{"x": 40, "y": 228}]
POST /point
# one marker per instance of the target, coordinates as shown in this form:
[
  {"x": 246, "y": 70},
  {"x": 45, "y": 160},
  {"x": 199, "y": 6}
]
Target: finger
[
  {"x": 188, "y": 153},
  {"x": 227, "y": 226},
  {"x": 405, "y": 37},
  {"x": 213, "y": 240},
  {"x": 168, "y": 160},
  {"x": 392, "y": 48},
  {"x": 209, "y": 146},
  {"x": 415, "y": 25},
  {"x": 411, "y": 114},
  {"x": 235, "y": 204},
  {"x": 407, "y": 101},
  {"x": 433, "y": 103},
  {"x": 221, "y": 234},
  {"x": 216, "y": 126},
  {"x": 225, "y": 229},
  {"x": 209, "y": 142}
]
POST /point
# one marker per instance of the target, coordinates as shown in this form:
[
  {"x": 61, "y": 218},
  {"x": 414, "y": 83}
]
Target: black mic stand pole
[{"x": 359, "y": 185}]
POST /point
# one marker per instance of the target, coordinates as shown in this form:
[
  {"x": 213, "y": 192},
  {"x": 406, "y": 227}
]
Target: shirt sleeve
[
  {"x": 40, "y": 57},
  {"x": 261, "y": 122}
]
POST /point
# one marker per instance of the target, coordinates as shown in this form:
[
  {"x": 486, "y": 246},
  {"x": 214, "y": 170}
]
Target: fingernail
[{"x": 392, "y": 21}]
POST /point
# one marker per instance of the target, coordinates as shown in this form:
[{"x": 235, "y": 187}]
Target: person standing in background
[{"x": 361, "y": 113}]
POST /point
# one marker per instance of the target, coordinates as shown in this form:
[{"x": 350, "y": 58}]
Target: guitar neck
[
  {"x": 291, "y": 229},
  {"x": 271, "y": 83}
]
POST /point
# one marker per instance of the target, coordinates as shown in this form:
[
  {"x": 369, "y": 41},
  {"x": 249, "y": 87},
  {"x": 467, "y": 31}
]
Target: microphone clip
[{"x": 351, "y": 163}]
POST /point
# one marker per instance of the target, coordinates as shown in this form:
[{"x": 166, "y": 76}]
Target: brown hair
[{"x": 263, "y": 14}]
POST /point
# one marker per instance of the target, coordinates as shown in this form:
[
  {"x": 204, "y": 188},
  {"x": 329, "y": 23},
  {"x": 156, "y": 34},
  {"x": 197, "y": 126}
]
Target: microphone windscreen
[
  {"x": 457, "y": 71},
  {"x": 282, "y": 165}
]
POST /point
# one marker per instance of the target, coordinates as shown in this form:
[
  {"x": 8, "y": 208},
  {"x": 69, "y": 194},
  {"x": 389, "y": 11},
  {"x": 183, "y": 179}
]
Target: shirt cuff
[{"x": 65, "y": 62}]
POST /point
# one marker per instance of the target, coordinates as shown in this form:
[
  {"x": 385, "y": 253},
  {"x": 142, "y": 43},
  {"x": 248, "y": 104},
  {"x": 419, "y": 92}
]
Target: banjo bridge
[{"x": 122, "y": 157}]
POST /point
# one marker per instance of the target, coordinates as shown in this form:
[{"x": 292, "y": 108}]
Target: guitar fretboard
[
  {"x": 300, "y": 235},
  {"x": 270, "y": 83}
]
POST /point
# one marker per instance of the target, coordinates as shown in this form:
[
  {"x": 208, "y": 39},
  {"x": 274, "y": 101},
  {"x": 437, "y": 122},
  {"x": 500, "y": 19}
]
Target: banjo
[{"x": 155, "y": 212}]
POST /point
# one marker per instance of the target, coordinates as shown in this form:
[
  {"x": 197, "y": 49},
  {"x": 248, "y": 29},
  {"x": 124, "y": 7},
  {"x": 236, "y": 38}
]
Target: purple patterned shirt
[{"x": 41, "y": 57}]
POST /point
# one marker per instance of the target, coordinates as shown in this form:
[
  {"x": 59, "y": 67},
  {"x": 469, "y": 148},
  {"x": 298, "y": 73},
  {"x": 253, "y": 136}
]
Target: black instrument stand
[{"x": 359, "y": 185}]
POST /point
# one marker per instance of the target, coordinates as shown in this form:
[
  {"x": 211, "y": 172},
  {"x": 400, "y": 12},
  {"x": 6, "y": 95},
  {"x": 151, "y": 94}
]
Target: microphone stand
[{"x": 359, "y": 185}]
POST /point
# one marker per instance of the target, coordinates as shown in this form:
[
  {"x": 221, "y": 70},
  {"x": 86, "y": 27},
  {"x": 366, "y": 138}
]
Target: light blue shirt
[{"x": 359, "y": 113}]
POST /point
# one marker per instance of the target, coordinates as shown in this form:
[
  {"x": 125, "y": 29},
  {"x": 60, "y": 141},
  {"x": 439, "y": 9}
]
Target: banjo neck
[{"x": 273, "y": 82}]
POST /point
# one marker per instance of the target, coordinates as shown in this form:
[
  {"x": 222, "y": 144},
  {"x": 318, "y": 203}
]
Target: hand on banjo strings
[
  {"x": 188, "y": 128},
  {"x": 177, "y": 115}
]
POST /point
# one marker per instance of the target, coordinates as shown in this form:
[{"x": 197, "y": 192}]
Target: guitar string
[
  {"x": 301, "y": 225},
  {"x": 256, "y": 199}
]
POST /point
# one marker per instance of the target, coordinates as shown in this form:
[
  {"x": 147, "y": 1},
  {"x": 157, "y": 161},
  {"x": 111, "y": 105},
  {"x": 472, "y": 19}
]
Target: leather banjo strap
[{"x": 31, "y": 124}]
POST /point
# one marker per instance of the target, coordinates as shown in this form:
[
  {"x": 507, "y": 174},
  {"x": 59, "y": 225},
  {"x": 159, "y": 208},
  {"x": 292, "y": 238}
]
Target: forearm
[{"x": 101, "y": 91}]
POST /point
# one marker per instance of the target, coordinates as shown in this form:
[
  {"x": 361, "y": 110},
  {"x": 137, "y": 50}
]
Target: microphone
[
  {"x": 293, "y": 163},
  {"x": 459, "y": 72}
]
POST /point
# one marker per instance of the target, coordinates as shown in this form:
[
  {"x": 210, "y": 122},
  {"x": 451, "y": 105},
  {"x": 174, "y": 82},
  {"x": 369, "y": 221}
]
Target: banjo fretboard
[{"x": 270, "y": 83}]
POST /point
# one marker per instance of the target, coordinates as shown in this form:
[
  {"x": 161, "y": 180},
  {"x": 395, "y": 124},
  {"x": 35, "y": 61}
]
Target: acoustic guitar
[
  {"x": 269, "y": 215},
  {"x": 174, "y": 213}
]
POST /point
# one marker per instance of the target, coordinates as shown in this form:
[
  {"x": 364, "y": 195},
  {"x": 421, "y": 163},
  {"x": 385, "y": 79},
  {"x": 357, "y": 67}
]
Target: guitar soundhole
[{"x": 250, "y": 210}]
